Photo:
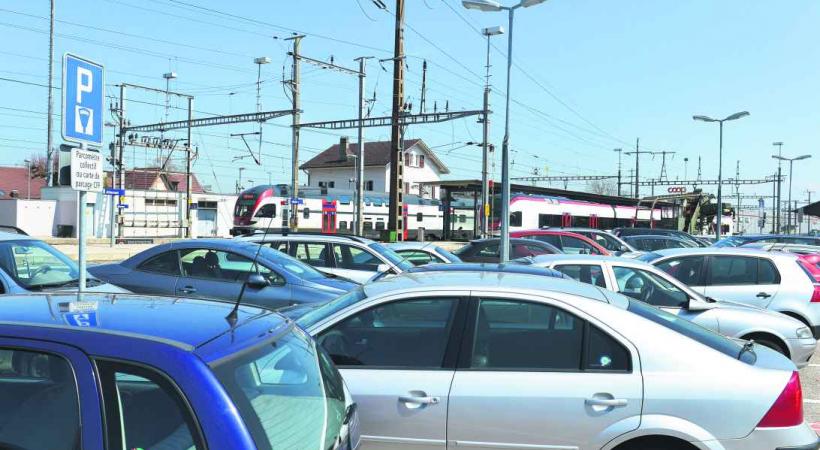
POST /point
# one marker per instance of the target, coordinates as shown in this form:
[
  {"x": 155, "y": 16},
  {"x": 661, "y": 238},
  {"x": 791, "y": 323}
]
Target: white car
[
  {"x": 355, "y": 258},
  {"x": 491, "y": 360},
  {"x": 647, "y": 283}
]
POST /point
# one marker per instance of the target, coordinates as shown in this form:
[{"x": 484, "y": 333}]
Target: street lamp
[
  {"x": 791, "y": 167},
  {"x": 735, "y": 116},
  {"x": 494, "y": 6},
  {"x": 486, "y": 147}
]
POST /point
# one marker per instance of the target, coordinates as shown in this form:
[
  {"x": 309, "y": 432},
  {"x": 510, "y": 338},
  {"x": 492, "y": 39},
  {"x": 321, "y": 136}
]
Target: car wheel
[{"x": 770, "y": 343}]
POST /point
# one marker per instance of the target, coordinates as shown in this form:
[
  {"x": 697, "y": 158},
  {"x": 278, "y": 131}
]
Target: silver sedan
[
  {"x": 644, "y": 282},
  {"x": 480, "y": 360}
]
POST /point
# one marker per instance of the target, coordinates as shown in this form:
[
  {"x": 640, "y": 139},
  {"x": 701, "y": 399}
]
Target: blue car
[
  {"x": 217, "y": 268},
  {"x": 124, "y": 371}
]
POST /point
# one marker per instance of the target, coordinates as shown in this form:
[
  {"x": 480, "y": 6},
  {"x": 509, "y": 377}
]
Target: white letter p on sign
[{"x": 84, "y": 77}]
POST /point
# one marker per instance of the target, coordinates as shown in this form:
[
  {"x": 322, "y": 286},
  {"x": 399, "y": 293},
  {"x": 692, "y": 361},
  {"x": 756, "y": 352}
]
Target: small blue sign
[
  {"x": 83, "y": 94},
  {"x": 122, "y": 206},
  {"x": 111, "y": 191},
  {"x": 297, "y": 201},
  {"x": 81, "y": 319}
]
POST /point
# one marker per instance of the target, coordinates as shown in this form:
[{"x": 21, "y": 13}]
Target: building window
[
  {"x": 406, "y": 187},
  {"x": 306, "y": 213},
  {"x": 331, "y": 184},
  {"x": 368, "y": 185},
  {"x": 421, "y": 161}
]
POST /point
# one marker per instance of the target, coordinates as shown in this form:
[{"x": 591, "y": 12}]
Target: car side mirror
[
  {"x": 624, "y": 248},
  {"x": 382, "y": 268},
  {"x": 257, "y": 281}
]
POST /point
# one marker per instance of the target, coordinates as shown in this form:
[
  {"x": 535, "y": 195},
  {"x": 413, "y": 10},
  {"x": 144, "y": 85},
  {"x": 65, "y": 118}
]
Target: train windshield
[{"x": 244, "y": 208}]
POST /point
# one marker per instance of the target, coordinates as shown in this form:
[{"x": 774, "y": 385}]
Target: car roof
[
  {"x": 487, "y": 267},
  {"x": 304, "y": 237},
  {"x": 412, "y": 245},
  {"x": 583, "y": 259},
  {"x": 182, "y": 322},
  {"x": 478, "y": 280},
  {"x": 740, "y": 251},
  {"x": 653, "y": 236},
  {"x": 6, "y": 236}
]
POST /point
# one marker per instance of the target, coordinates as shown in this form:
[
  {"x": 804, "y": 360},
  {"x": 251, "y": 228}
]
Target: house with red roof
[{"x": 15, "y": 182}]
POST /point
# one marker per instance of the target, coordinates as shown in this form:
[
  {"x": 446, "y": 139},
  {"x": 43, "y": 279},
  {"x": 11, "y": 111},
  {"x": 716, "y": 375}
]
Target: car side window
[
  {"x": 688, "y": 270},
  {"x": 522, "y": 335},
  {"x": 585, "y": 273},
  {"x": 355, "y": 258},
  {"x": 38, "y": 399},
  {"x": 732, "y": 270},
  {"x": 648, "y": 287},
  {"x": 402, "y": 334},
  {"x": 165, "y": 263},
  {"x": 488, "y": 250},
  {"x": 417, "y": 257},
  {"x": 223, "y": 266},
  {"x": 144, "y": 409},
  {"x": 574, "y": 246},
  {"x": 281, "y": 246},
  {"x": 767, "y": 272},
  {"x": 314, "y": 254},
  {"x": 548, "y": 238}
]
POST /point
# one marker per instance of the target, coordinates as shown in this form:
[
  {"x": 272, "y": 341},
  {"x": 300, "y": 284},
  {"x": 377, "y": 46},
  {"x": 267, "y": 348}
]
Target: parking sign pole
[
  {"x": 81, "y": 233},
  {"x": 113, "y": 216}
]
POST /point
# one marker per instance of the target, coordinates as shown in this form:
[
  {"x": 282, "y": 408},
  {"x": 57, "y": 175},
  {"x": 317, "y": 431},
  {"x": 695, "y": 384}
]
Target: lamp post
[
  {"x": 734, "y": 116},
  {"x": 485, "y": 183},
  {"x": 28, "y": 178},
  {"x": 494, "y": 6},
  {"x": 791, "y": 167}
]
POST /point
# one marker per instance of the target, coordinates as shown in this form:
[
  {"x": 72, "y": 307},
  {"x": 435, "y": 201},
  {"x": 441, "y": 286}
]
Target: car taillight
[
  {"x": 815, "y": 297},
  {"x": 787, "y": 410}
]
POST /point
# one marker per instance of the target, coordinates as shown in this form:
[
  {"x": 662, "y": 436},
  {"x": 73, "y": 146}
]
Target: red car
[
  {"x": 566, "y": 241},
  {"x": 812, "y": 264}
]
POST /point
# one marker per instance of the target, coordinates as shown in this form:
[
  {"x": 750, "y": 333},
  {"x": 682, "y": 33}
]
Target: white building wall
[
  {"x": 342, "y": 175},
  {"x": 35, "y": 217}
]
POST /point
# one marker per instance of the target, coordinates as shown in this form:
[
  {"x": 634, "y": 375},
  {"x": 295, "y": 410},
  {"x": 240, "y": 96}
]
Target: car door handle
[
  {"x": 608, "y": 402},
  {"x": 420, "y": 400},
  {"x": 763, "y": 295},
  {"x": 187, "y": 290}
]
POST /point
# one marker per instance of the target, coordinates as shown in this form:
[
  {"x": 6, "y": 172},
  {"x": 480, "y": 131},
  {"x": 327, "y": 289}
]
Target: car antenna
[{"x": 233, "y": 316}]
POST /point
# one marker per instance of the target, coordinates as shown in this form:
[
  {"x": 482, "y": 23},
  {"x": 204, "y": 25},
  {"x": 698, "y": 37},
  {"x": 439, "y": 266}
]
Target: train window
[
  {"x": 380, "y": 225},
  {"x": 331, "y": 184},
  {"x": 267, "y": 211},
  {"x": 368, "y": 225},
  {"x": 516, "y": 219},
  {"x": 342, "y": 225},
  {"x": 462, "y": 218},
  {"x": 549, "y": 220},
  {"x": 306, "y": 213},
  {"x": 368, "y": 185},
  {"x": 419, "y": 217},
  {"x": 581, "y": 221}
]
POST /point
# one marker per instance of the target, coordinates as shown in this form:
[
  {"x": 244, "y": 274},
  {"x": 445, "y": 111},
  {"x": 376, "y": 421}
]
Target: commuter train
[{"x": 331, "y": 211}]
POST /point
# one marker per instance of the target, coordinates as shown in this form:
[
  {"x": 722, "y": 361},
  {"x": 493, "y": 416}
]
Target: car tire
[{"x": 656, "y": 443}]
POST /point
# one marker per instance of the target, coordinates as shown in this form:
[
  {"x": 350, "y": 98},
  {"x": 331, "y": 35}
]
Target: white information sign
[{"x": 86, "y": 170}]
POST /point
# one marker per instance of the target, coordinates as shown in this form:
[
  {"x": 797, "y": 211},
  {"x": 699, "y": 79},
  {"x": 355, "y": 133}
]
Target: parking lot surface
[{"x": 810, "y": 378}]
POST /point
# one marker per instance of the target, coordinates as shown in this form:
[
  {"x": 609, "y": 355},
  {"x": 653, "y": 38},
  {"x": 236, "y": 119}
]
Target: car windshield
[
  {"x": 36, "y": 265},
  {"x": 291, "y": 264},
  {"x": 288, "y": 393},
  {"x": 691, "y": 330},
  {"x": 392, "y": 256},
  {"x": 648, "y": 257},
  {"x": 330, "y": 308}
]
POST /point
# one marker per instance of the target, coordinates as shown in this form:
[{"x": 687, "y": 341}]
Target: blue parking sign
[
  {"x": 82, "y": 319},
  {"x": 83, "y": 94}
]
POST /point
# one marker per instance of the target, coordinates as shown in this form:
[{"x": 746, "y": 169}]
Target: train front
[{"x": 245, "y": 213}]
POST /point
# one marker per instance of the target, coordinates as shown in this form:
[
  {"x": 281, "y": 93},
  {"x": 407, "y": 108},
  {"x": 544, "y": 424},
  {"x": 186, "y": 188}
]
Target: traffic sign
[
  {"x": 86, "y": 170},
  {"x": 83, "y": 93},
  {"x": 122, "y": 206},
  {"x": 83, "y": 320},
  {"x": 297, "y": 201},
  {"x": 111, "y": 191}
]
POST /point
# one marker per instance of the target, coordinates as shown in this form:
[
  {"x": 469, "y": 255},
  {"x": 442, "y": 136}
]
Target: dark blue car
[
  {"x": 126, "y": 372},
  {"x": 217, "y": 268}
]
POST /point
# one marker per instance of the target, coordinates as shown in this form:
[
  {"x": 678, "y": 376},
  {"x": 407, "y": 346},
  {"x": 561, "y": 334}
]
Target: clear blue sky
[{"x": 598, "y": 74}]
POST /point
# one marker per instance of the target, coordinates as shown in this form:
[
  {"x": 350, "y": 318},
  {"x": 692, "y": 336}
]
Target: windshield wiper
[{"x": 64, "y": 283}]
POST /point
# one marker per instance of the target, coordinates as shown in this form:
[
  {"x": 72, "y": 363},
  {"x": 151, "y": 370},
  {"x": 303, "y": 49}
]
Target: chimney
[{"x": 343, "y": 148}]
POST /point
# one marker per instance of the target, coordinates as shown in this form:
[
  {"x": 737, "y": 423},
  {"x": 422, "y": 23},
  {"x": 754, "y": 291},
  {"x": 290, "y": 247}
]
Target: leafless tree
[{"x": 602, "y": 187}]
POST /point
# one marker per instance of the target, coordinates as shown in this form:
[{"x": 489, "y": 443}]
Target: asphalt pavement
[{"x": 810, "y": 379}]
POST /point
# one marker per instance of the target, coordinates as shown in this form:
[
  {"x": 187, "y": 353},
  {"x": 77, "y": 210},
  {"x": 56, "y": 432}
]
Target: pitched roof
[
  {"x": 145, "y": 178},
  {"x": 16, "y": 179},
  {"x": 375, "y": 154}
]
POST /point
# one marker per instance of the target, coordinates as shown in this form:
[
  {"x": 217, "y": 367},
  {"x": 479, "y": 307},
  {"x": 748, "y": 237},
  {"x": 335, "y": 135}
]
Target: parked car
[
  {"x": 486, "y": 250},
  {"x": 609, "y": 241},
  {"x": 12, "y": 230},
  {"x": 649, "y": 284},
  {"x": 30, "y": 265},
  {"x": 144, "y": 372},
  {"x": 352, "y": 257},
  {"x": 770, "y": 280},
  {"x": 566, "y": 241},
  {"x": 650, "y": 243},
  {"x": 800, "y": 239},
  {"x": 217, "y": 268},
  {"x": 420, "y": 253},
  {"x": 504, "y": 360},
  {"x": 800, "y": 249},
  {"x": 623, "y": 232}
]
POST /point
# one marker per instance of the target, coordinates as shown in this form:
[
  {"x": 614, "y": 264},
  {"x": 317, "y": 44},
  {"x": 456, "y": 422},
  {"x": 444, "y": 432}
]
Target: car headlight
[{"x": 804, "y": 333}]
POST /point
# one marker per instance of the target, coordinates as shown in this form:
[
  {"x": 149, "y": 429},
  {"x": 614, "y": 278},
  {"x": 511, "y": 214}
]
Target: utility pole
[
  {"x": 49, "y": 143},
  {"x": 423, "y": 86},
  {"x": 188, "y": 178},
  {"x": 779, "y": 146},
  {"x": 737, "y": 192},
  {"x": 699, "y": 169},
  {"x": 120, "y": 167},
  {"x": 395, "y": 221},
  {"x": 294, "y": 188},
  {"x": 360, "y": 157},
  {"x": 259, "y": 62},
  {"x": 620, "y": 152},
  {"x": 685, "y": 168},
  {"x": 663, "y": 176},
  {"x": 638, "y": 152},
  {"x": 807, "y": 217},
  {"x": 485, "y": 145},
  {"x": 774, "y": 203}
]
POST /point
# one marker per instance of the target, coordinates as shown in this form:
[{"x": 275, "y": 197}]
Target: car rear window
[{"x": 691, "y": 330}]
